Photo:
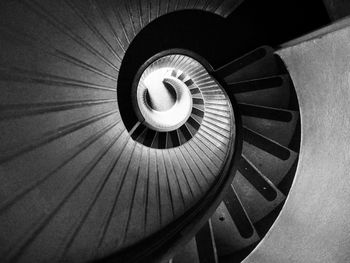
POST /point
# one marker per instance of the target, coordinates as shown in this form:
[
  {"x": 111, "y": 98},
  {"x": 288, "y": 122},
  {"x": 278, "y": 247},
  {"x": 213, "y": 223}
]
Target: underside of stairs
[{"x": 146, "y": 131}]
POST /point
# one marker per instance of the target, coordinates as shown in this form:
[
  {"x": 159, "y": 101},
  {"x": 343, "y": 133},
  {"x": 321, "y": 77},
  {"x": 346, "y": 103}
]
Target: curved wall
[{"x": 314, "y": 223}]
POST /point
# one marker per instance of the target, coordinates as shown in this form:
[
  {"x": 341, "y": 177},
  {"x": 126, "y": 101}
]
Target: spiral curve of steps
[
  {"x": 78, "y": 184},
  {"x": 263, "y": 91}
]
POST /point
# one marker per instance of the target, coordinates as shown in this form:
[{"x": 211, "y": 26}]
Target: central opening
[
  {"x": 163, "y": 100},
  {"x": 160, "y": 94},
  {"x": 167, "y": 103}
]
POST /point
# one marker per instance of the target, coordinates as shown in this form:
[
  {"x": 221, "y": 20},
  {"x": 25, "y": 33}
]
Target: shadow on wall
[
  {"x": 337, "y": 8},
  {"x": 220, "y": 40}
]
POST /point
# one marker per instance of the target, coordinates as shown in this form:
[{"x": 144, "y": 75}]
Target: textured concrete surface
[{"x": 314, "y": 223}]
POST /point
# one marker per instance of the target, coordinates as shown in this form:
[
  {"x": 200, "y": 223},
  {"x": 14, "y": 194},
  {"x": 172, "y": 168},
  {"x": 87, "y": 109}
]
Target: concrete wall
[{"x": 314, "y": 223}]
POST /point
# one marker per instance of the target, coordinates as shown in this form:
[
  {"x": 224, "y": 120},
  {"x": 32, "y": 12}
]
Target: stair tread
[
  {"x": 259, "y": 63},
  {"x": 238, "y": 214},
  {"x": 188, "y": 254},
  {"x": 271, "y": 159},
  {"x": 272, "y": 91},
  {"x": 206, "y": 244},
  {"x": 227, "y": 7},
  {"x": 276, "y": 130},
  {"x": 264, "y": 112},
  {"x": 101, "y": 200},
  {"x": 254, "y": 202},
  {"x": 227, "y": 237},
  {"x": 68, "y": 177},
  {"x": 123, "y": 191}
]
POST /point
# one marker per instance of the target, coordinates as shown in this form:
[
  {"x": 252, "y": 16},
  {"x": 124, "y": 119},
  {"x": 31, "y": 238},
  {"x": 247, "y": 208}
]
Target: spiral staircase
[
  {"x": 263, "y": 91},
  {"x": 124, "y": 141}
]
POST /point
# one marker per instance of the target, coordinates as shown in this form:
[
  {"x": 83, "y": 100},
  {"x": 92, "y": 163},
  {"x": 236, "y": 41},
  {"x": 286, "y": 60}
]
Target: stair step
[
  {"x": 188, "y": 254},
  {"x": 160, "y": 140},
  {"x": 260, "y": 63},
  {"x": 256, "y": 179},
  {"x": 257, "y": 194},
  {"x": 227, "y": 237},
  {"x": 153, "y": 217},
  {"x": 138, "y": 132},
  {"x": 172, "y": 139},
  {"x": 238, "y": 214},
  {"x": 227, "y": 7},
  {"x": 139, "y": 187},
  {"x": 149, "y": 137},
  {"x": 278, "y": 130},
  {"x": 265, "y": 144},
  {"x": 91, "y": 188},
  {"x": 270, "y": 92},
  {"x": 184, "y": 134},
  {"x": 206, "y": 244},
  {"x": 269, "y": 157},
  {"x": 265, "y": 112}
]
